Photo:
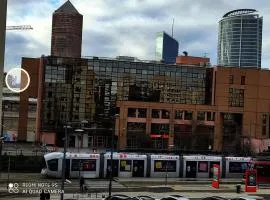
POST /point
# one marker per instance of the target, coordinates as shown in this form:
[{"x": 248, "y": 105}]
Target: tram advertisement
[
  {"x": 251, "y": 180},
  {"x": 216, "y": 176}
]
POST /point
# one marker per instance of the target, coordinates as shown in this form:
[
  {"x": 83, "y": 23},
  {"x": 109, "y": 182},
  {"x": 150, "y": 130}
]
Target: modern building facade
[
  {"x": 240, "y": 39},
  {"x": 67, "y": 25},
  {"x": 160, "y": 106},
  {"x": 166, "y": 48}
]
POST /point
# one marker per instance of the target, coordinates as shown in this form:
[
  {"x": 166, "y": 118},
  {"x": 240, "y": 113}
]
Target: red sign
[
  {"x": 216, "y": 176},
  {"x": 251, "y": 180}
]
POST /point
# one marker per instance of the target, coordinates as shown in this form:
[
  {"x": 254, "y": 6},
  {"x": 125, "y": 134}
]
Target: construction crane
[{"x": 22, "y": 27}]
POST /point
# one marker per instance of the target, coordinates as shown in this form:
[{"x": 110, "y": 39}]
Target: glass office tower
[
  {"x": 84, "y": 89},
  {"x": 240, "y": 39},
  {"x": 166, "y": 48}
]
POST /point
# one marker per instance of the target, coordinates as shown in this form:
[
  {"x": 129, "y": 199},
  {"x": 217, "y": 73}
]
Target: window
[
  {"x": 210, "y": 116},
  {"x": 188, "y": 115},
  {"x": 142, "y": 113},
  {"x": 200, "y": 115},
  {"x": 165, "y": 114},
  {"x": 75, "y": 163},
  {"x": 203, "y": 166},
  {"x": 53, "y": 164},
  {"x": 237, "y": 167},
  {"x": 132, "y": 112},
  {"x": 231, "y": 77},
  {"x": 165, "y": 166},
  {"x": 178, "y": 114},
  {"x": 155, "y": 113},
  {"x": 236, "y": 97},
  {"x": 49, "y": 94},
  {"x": 243, "y": 80},
  {"x": 263, "y": 130},
  {"x": 125, "y": 165},
  {"x": 88, "y": 165}
]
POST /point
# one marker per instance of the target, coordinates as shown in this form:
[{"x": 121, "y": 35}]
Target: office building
[
  {"x": 67, "y": 25},
  {"x": 192, "y": 60},
  {"x": 166, "y": 48},
  {"x": 240, "y": 39}
]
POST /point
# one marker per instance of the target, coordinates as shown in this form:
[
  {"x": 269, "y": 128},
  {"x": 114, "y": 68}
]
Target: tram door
[
  {"x": 191, "y": 169},
  {"x": 67, "y": 170},
  {"x": 212, "y": 168},
  {"x": 138, "y": 168},
  {"x": 115, "y": 168}
]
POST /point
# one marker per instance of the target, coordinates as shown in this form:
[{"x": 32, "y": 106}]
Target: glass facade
[
  {"x": 84, "y": 89},
  {"x": 166, "y": 48},
  {"x": 240, "y": 39}
]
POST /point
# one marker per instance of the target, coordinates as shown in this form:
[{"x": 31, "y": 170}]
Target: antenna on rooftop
[{"x": 172, "y": 26}]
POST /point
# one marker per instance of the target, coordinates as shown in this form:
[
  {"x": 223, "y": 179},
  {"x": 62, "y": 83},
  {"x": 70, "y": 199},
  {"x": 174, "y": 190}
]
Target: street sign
[
  {"x": 216, "y": 176},
  {"x": 251, "y": 180}
]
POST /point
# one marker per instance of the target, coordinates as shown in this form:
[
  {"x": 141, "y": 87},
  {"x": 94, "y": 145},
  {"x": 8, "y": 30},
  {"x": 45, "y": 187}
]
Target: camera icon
[{"x": 13, "y": 188}]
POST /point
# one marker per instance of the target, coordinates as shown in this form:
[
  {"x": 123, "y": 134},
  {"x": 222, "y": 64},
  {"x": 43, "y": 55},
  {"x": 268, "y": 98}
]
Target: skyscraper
[
  {"x": 240, "y": 39},
  {"x": 166, "y": 48},
  {"x": 66, "y": 31}
]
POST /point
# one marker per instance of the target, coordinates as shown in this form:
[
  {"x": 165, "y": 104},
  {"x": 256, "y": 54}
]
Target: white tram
[
  {"x": 236, "y": 166},
  {"x": 200, "y": 166},
  {"x": 77, "y": 164},
  {"x": 125, "y": 165},
  {"x": 162, "y": 165}
]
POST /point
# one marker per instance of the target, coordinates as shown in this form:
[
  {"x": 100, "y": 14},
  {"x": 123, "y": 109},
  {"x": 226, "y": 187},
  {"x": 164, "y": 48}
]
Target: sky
[{"x": 128, "y": 27}]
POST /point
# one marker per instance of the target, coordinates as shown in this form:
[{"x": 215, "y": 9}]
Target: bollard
[{"x": 238, "y": 188}]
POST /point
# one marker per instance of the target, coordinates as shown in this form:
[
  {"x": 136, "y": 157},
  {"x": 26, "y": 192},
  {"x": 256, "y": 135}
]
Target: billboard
[{"x": 10, "y": 136}]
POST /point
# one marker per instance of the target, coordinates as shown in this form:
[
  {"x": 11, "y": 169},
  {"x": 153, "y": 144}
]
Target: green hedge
[{"x": 32, "y": 164}]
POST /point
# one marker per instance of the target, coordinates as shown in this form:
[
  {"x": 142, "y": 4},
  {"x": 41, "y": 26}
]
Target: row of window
[{"x": 165, "y": 114}]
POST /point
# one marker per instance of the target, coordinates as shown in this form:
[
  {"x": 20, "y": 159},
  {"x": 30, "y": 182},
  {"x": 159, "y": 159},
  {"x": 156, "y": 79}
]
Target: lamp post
[
  {"x": 64, "y": 161},
  {"x": 8, "y": 168},
  {"x": 80, "y": 132},
  {"x": 112, "y": 148}
]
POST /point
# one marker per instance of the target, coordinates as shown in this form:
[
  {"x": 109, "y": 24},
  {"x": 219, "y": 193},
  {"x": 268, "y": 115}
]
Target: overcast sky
[{"x": 128, "y": 27}]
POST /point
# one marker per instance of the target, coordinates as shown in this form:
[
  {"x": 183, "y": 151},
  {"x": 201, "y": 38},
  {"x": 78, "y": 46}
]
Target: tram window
[
  {"x": 263, "y": 170},
  {"x": 53, "y": 164},
  {"x": 237, "y": 167},
  {"x": 125, "y": 165},
  {"x": 75, "y": 165},
  {"x": 203, "y": 166},
  {"x": 165, "y": 166},
  {"x": 88, "y": 165}
]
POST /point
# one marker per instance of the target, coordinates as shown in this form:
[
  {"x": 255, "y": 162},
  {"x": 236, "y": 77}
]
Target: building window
[
  {"x": 188, "y": 115},
  {"x": 165, "y": 114},
  {"x": 155, "y": 113},
  {"x": 200, "y": 115},
  {"x": 243, "y": 80},
  {"x": 178, "y": 114},
  {"x": 231, "y": 79},
  {"x": 210, "y": 116},
  {"x": 131, "y": 112},
  {"x": 49, "y": 94},
  {"x": 236, "y": 97},
  {"x": 263, "y": 130},
  {"x": 142, "y": 112}
]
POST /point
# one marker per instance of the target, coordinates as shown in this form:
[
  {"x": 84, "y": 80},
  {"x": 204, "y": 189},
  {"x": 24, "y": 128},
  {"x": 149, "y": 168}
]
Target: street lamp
[
  {"x": 112, "y": 148},
  {"x": 64, "y": 161},
  {"x": 80, "y": 132}
]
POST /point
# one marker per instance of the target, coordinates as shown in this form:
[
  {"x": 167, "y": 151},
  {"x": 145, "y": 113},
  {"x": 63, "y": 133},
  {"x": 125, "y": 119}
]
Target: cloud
[{"x": 128, "y": 27}]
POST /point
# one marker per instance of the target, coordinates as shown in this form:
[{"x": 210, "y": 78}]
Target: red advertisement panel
[
  {"x": 251, "y": 180},
  {"x": 216, "y": 176}
]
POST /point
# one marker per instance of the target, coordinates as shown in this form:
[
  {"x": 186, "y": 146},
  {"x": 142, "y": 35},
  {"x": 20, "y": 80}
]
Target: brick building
[{"x": 67, "y": 25}]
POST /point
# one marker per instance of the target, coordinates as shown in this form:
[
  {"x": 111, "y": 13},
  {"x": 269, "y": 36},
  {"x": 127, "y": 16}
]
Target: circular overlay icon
[{"x": 17, "y": 80}]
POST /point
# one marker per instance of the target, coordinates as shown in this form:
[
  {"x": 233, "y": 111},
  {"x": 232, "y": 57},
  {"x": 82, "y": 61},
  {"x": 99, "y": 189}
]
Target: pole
[
  {"x": 64, "y": 165},
  {"x": 8, "y": 168},
  {"x": 111, "y": 172},
  {"x": 2, "y": 133},
  {"x": 166, "y": 177}
]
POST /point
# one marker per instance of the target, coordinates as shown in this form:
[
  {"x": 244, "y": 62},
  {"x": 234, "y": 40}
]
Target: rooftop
[
  {"x": 239, "y": 12},
  {"x": 67, "y": 8}
]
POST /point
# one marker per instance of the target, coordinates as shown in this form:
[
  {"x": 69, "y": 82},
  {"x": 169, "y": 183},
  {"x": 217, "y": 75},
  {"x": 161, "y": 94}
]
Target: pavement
[{"x": 156, "y": 187}]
